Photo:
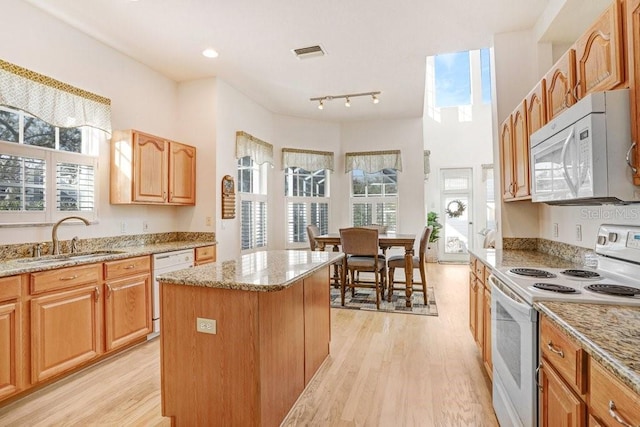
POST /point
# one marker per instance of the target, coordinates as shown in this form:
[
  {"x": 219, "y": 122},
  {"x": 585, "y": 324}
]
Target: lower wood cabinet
[
  {"x": 610, "y": 398},
  {"x": 480, "y": 310},
  {"x": 11, "y": 378},
  {"x": 65, "y": 330},
  {"x": 205, "y": 255},
  {"x": 127, "y": 310},
  {"x": 560, "y": 406}
]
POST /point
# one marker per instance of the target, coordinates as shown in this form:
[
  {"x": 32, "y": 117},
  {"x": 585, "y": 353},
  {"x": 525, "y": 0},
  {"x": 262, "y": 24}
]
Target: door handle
[{"x": 565, "y": 171}]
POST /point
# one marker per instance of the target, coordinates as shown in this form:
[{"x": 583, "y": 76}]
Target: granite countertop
[
  {"x": 265, "y": 271},
  {"x": 499, "y": 259},
  {"x": 26, "y": 265},
  {"x": 609, "y": 333}
]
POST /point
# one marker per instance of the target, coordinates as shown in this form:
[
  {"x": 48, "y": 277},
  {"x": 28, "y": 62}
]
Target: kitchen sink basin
[{"x": 80, "y": 256}]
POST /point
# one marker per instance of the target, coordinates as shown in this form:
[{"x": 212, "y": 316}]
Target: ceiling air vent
[{"x": 308, "y": 52}]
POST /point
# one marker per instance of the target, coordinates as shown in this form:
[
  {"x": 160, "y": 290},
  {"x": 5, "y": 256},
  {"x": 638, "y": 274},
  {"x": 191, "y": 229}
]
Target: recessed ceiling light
[{"x": 210, "y": 53}]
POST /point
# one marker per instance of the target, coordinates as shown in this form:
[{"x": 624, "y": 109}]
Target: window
[
  {"x": 485, "y": 74},
  {"x": 452, "y": 80},
  {"x": 374, "y": 198},
  {"x": 307, "y": 201},
  {"x": 46, "y": 172},
  {"x": 253, "y": 204}
]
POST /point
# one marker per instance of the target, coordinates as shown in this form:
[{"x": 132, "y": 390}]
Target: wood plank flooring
[{"x": 385, "y": 369}]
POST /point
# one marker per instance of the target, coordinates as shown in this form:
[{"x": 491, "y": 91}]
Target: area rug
[{"x": 365, "y": 299}]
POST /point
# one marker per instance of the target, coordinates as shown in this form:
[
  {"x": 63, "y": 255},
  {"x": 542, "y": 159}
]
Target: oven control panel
[
  {"x": 619, "y": 241},
  {"x": 633, "y": 240}
]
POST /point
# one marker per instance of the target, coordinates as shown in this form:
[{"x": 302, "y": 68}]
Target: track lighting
[{"x": 347, "y": 98}]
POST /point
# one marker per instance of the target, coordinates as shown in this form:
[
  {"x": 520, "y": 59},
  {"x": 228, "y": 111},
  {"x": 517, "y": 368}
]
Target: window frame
[{"x": 375, "y": 200}]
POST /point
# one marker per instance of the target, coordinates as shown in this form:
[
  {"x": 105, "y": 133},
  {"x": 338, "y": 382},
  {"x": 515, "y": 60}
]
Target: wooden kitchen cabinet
[
  {"x": 605, "y": 389},
  {"x": 473, "y": 305},
  {"x": 536, "y": 105},
  {"x": 127, "y": 301},
  {"x": 480, "y": 310},
  {"x": 560, "y": 406},
  {"x": 487, "y": 357},
  {"x": 600, "y": 53},
  {"x": 560, "y": 82},
  {"x": 205, "y": 255},
  {"x": 11, "y": 350},
  {"x": 146, "y": 169},
  {"x": 633, "y": 50},
  {"x": 514, "y": 143},
  {"x": 65, "y": 330}
]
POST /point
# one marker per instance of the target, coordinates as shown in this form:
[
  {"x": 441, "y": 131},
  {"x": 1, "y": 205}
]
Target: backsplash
[
  {"x": 23, "y": 250},
  {"x": 565, "y": 251}
]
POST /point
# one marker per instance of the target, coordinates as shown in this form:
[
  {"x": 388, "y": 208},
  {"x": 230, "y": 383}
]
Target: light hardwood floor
[{"x": 384, "y": 370}]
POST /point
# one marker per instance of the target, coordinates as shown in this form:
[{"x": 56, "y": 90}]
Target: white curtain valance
[
  {"x": 373, "y": 161},
  {"x": 53, "y": 101},
  {"x": 248, "y": 145},
  {"x": 308, "y": 160},
  {"x": 427, "y": 162}
]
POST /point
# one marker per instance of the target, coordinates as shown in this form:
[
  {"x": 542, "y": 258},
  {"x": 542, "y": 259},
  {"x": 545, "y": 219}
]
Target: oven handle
[
  {"x": 565, "y": 171},
  {"x": 512, "y": 301}
]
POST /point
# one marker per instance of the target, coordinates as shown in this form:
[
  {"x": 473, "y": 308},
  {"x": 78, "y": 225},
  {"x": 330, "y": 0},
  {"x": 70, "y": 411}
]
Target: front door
[{"x": 456, "y": 196}]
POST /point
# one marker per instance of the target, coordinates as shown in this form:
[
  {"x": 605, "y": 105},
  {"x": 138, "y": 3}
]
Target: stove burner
[
  {"x": 553, "y": 287},
  {"x": 532, "y": 272},
  {"x": 617, "y": 290},
  {"x": 583, "y": 274}
]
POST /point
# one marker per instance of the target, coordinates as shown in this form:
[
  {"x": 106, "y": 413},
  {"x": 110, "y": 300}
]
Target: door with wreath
[{"x": 456, "y": 196}]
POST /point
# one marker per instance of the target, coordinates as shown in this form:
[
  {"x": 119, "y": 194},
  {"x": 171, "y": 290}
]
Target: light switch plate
[
  {"x": 206, "y": 326},
  {"x": 578, "y": 232}
]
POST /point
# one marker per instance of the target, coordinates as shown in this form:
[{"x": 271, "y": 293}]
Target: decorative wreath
[{"x": 455, "y": 208}]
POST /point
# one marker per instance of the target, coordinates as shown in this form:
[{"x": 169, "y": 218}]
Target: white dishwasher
[{"x": 164, "y": 263}]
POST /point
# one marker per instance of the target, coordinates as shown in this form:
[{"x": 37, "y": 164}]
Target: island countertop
[{"x": 265, "y": 271}]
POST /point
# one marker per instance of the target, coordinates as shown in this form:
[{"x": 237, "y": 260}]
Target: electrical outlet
[
  {"x": 123, "y": 227},
  {"x": 208, "y": 221},
  {"x": 578, "y": 233},
  {"x": 145, "y": 226},
  {"x": 555, "y": 229},
  {"x": 206, "y": 326}
]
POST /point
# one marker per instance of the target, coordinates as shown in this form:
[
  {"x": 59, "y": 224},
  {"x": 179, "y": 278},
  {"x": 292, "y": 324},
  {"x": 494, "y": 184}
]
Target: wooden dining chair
[
  {"x": 361, "y": 246},
  {"x": 312, "y": 232},
  {"x": 419, "y": 262}
]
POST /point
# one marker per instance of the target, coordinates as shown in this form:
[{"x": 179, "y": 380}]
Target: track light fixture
[{"x": 347, "y": 98}]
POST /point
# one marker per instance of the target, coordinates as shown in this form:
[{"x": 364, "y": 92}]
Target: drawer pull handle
[
  {"x": 614, "y": 414},
  {"x": 129, "y": 267},
  {"x": 108, "y": 291},
  {"x": 75, "y": 276},
  {"x": 97, "y": 294},
  {"x": 552, "y": 349}
]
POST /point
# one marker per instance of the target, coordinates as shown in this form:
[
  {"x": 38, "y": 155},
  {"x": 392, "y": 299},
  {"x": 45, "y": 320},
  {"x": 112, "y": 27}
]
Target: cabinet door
[
  {"x": 633, "y": 26},
  {"x": 506, "y": 150},
  {"x": 536, "y": 103},
  {"x": 599, "y": 53},
  {"x": 64, "y": 331},
  {"x": 479, "y": 315},
  {"x": 182, "y": 174},
  {"x": 317, "y": 322},
  {"x": 150, "y": 165},
  {"x": 10, "y": 348},
  {"x": 560, "y": 82},
  {"x": 486, "y": 336},
  {"x": 473, "y": 305},
  {"x": 522, "y": 187},
  {"x": 127, "y": 310},
  {"x": 560, "y": 406}
]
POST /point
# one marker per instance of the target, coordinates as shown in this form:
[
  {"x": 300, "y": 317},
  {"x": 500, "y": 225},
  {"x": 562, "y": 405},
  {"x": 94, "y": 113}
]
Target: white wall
[
  {"x": 140, "y": 99},
  {"x": 404, "y": 135}
]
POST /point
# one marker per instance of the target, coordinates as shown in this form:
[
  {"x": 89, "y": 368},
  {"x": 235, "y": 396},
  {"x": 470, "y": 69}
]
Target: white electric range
[{"x": 615, "y": 280}]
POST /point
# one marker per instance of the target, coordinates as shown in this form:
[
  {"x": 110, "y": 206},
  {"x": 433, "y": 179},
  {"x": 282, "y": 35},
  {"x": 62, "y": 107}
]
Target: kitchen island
[{"x": 241, "y": 339}]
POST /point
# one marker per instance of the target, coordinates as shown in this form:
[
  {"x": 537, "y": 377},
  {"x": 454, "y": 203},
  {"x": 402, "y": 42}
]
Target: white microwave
[{"x": 582, "y": 156}]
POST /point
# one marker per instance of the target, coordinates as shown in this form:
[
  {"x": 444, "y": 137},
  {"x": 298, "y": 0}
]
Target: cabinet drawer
[
  {"x": 205, "y": 253},
  {"x": 9, "y": 288},
  {"x": 480, "y": 271},
  {"x": 566, "y": 356},
  {"x": 606, "y": 389},
  {"x": 46, "y": 281},
  {"x": 127, "y": 267}
]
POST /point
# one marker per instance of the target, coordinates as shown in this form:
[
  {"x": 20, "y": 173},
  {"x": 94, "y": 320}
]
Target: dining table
[{"x": 385, "y": 241}]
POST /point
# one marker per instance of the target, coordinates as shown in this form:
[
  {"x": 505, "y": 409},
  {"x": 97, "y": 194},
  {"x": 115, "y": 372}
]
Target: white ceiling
[{"x": 371, "y": 45}]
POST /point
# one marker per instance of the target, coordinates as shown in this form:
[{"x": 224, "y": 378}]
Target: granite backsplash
[{"x": 565, "y": 251}]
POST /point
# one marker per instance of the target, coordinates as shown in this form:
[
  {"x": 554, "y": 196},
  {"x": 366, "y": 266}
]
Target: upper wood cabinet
[
  {"x": 536, "y": 104},
  {"x": 600, "y": 53},
  {"x": 633, "y": 49},
  {"x": 560, "y": 81},
  {"x": 147, "y": 169},
  {"x": 514, "y": 144}
]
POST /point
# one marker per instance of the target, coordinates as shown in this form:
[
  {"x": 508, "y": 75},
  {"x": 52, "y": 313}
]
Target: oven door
[{"x": 515, "y": 355}]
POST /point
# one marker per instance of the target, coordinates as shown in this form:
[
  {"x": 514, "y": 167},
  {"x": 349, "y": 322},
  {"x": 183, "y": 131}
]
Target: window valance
[
  {"x": 308, "y": 160},
  {"x": 53, "y": 101},
  {"x": 248, "y": 145},
  {"x": 373, "y": 161},
  {"x": 427, "y": 162}
]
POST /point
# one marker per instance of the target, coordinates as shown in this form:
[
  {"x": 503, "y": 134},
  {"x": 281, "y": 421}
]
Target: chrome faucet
[{"x": 55, "y": 247}]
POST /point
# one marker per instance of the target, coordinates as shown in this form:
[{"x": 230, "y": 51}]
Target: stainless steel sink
[{"x": 80, "y": 256}]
